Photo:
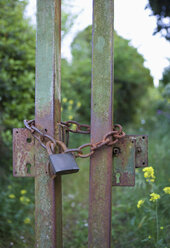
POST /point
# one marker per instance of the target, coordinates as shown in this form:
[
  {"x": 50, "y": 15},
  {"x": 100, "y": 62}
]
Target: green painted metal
[
  {"x": 124, "y": 162},
  {"x": 101, "y": 122},
  {"x": 48, "y": 196}
]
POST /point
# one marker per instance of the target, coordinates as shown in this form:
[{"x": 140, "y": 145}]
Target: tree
[
  {"x": 132, "y": 79},
  {"x": 161, "y": 9},
  {"x": 166, "y": 76},
  {"x": 17, "y": 56}
]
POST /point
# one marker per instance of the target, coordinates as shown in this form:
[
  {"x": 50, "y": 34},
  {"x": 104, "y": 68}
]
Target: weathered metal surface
[
  {"x": 64, "y": 134},
  {"x": 99, "y": 235},
  {"x": 23, "y": 153},
  {"x": 141, "y": 150},
  {"x": 124, "y": 162},
  {"x": 48, "y": 210}
]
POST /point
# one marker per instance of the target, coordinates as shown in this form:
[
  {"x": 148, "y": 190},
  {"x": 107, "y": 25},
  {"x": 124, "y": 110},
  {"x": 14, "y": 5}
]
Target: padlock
[{"x": 62, "y": 163}]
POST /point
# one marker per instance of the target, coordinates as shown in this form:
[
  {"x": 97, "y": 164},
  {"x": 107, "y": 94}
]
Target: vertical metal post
[
  {"x": 101, "y": 122},
  {"x": 48, "y": 210}
]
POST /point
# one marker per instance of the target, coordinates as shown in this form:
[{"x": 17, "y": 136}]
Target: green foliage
[
  {"x": 16, "y": 213},
  {"x": 17, "y": 65},
  {"x": 132, "y": 79},
  {"x": 67, "y": 19},
  {"x": 161, "y": 9},
  {"x": 166, "y": 76}
]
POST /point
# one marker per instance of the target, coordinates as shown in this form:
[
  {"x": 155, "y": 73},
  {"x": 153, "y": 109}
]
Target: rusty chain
[
  {"x": 79, "y": 128},
  {"x": 109, "y": 138}
]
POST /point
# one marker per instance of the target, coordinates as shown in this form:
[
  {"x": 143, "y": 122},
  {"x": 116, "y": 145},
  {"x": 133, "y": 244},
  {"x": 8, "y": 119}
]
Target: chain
[
  {"x": 109, "y": 138},
  {"x": 39, "y": 135},
  {"x": 79, "y": 128}
]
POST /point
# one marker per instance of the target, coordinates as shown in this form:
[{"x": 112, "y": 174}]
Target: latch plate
[
  {"x": 23, "y": 153},
  {"x": 129, "y": 153},
  {"x": 124, "y": 162}
]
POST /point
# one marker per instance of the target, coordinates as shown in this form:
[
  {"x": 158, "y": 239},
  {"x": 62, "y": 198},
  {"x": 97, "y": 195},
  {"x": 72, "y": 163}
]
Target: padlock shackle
[
  {"x": 59, "y": 143},
  {"x": 62, "y": 145}
]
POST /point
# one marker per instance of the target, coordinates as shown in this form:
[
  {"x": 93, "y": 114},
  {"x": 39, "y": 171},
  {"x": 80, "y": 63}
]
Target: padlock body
[{"x": 63, "y": 163}]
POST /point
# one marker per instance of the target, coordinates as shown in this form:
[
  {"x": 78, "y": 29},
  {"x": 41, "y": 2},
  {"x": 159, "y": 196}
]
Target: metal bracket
[
  {"x": 129, "y": 153},
  {"x": 23, "y": 153},
  {"x": 124, "y": 162},
  {"x": 141, "y": 151}
]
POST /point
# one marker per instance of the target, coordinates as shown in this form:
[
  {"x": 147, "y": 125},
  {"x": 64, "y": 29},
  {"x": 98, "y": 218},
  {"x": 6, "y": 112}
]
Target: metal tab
[
  {"x": 64, "y": 134},
  {"x": 23, "y": 153},
  {"x": 141, "y": 150},
  {"x": 124, "y": 162}
]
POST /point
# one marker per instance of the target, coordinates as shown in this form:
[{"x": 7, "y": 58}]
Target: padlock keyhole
[
  {"x": 117, "y": 177},
  {"x": 28, "y": 165}
]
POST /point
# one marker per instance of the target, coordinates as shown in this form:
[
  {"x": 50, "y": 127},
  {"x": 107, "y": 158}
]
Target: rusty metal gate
[{"x": 31, "y": 160}]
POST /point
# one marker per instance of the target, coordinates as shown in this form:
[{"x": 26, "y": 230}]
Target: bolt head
[
  {"x": 116, "y": 150},
  {"x": 139, "y": 149}
]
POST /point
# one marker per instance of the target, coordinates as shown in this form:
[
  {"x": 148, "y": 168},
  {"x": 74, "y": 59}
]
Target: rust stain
[
  {"x": 23, "y": 153},
  {"x": 141, "y": 151},
  {"x": 124, "y": 162}
]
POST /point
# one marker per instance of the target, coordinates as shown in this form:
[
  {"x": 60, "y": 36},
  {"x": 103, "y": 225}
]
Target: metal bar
[
  {"x": 48, "y": 209},
  {"x": 101, "y": 122}
]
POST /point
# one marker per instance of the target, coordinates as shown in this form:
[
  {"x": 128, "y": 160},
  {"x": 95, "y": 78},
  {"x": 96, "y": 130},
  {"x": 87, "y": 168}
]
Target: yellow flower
[
  {"x": 11, "y": 196},
  {"x": 64, "y": 99},
  {"x": 70, "y": 117},
  {"x": 161, "y": 227},
  {"x": 149, "y": 174},
  {"x": 9, "y": 221},
  {"x": 69, "y": 107},
  {"x": 140, "y": 203},
  {"x": 23, "y": 192},
  {"x": 71, "y": 102},
  {"x": 79, "y": 104},
  {"x": 25, "y": 200},
  {"x": 74, "y": 126},
  {"x": 27, "y": 220},
  {"x": 167, "y": 190},
  {"x": 9, "y": 187},
  {"x": 154, "y": 197},
  {"x": 149, "y": 237}
]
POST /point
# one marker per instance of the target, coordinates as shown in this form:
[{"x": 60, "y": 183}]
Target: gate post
[
  {"x": 48, "y": 209},
  {"x": 101, "y": 123}
]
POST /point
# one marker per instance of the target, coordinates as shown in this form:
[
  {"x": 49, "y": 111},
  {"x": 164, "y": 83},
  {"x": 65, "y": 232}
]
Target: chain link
[
  {"x": 109, "y": 138},
  {"x": 79, "y": 128}
]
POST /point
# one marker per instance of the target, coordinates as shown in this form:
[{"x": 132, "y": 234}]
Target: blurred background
[{"x": 140, "y": 215}]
